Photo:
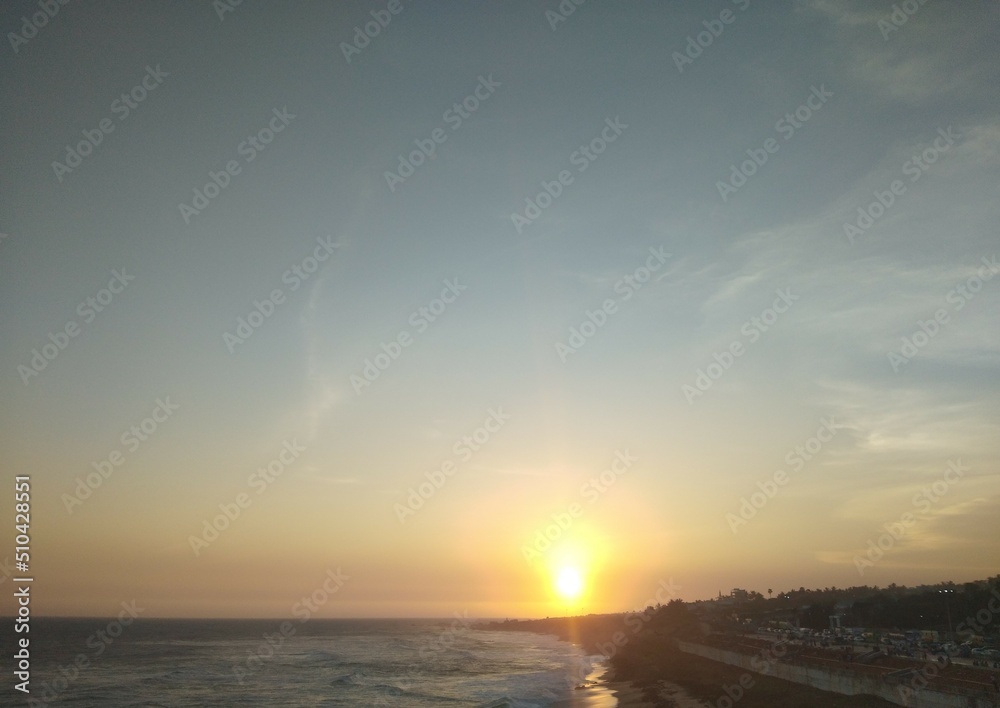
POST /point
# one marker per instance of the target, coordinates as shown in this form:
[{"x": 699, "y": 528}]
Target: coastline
[
  {"x": 594, "y": 692},
  {"x": 607, "y": 692},
  {"x": 627, "y": 695},
  {"x": 603, "y": 687},
  {"x": 631, "y": 696},
  {"x": 648, "y": 670},
  {"x": 654, "y": 664}
]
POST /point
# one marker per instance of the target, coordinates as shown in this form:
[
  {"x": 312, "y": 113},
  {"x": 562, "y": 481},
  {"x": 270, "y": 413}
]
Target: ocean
[{"x": 418, "y": 663}]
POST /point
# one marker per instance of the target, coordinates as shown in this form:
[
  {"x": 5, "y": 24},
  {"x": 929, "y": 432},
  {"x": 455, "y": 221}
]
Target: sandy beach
[
  {"x": 627, "y": 695},
  {"x": 605, "y": 692},
  {"x": 630, "y": 696},
  {"x": 594, "y": 692}
]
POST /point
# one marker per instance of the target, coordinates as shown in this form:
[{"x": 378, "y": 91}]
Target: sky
[{"x": 505, "y": 309}]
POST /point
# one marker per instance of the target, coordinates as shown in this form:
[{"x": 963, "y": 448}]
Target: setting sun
[{"x": 569, "y": 583}]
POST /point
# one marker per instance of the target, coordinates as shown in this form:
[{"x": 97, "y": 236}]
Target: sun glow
[{"x": 569, "y": 584}]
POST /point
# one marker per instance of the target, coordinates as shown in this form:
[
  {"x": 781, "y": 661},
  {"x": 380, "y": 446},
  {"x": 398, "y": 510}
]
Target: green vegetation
[{"x": 946, "y": 607}]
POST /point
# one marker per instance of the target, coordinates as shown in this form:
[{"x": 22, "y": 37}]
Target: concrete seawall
[{"x": 843, "y": 681}]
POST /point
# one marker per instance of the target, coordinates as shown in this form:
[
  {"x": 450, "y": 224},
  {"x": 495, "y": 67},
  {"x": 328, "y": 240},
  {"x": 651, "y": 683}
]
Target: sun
[{"x": 569, "y": 583}]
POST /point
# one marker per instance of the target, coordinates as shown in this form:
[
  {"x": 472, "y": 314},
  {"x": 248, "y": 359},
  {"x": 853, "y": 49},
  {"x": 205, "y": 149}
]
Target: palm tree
[{"x": 769, "y": 592}]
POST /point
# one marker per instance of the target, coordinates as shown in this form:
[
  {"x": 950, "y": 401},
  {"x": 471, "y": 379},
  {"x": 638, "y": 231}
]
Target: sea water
[{"x": 414, "y": 663}]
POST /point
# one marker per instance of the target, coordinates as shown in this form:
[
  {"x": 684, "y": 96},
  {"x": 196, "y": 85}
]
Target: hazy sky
[{"x": 703, "y": 161}]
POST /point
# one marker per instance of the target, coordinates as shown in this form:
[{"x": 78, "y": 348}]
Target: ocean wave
[
  {"x": 353, "y": 679},
  {"x": 507, "y": 702},
  {"x": 382, "y": 667},
  {"x": 320, "y": 656}
]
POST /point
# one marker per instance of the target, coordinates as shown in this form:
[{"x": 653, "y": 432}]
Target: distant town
[{"x": 964, "y": 616}]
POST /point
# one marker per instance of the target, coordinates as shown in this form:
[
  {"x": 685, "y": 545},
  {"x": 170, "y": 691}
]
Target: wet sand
[
  {"x": 607, "y": 693},
  {"x": 627, "y": 695},
  {"x": 630, "y": 696},
  {"x": 595, "y": 692}
]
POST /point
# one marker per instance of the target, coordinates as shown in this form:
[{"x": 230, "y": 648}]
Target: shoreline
[
  {"x": 602, "y": 688},
  {"x": 606, "y": 691},
  {"x": 649, "y": 671},
  {"x": 629, "y": 695},
  {"x": 595, "y": 692}
]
